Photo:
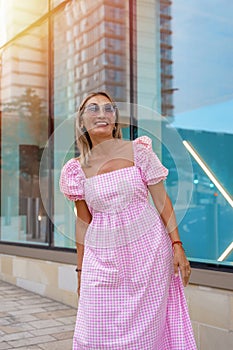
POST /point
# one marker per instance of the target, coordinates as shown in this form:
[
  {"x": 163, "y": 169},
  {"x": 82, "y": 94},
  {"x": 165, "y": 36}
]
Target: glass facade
[{"x": 168, "y": 66}]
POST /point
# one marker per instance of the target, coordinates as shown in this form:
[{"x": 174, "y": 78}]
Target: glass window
[
  {"x": 89, "y": 66},
  {"x": 203, "y": 75},
  {"x": 17, "y": 15},
  {"x": 24, "y": 133},
  {"x": 172, "y": 60}
]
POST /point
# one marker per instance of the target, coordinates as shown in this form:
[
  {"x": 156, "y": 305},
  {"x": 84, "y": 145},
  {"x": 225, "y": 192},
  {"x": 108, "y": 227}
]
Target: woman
[{"x": 130, "y": 261}]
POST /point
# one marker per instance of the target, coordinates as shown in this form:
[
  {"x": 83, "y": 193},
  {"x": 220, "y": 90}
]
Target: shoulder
[
  {"x": 143, "y": 142},
  {"x": 72, "y": 180},
  {"x": 152, "y": 170},
  {"x": 71, "y": 166},
  {"x": 72, "y": 169}
]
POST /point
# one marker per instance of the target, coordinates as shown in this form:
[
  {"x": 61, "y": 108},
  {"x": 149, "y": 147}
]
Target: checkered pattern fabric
[{"x": 130, "y": 298}]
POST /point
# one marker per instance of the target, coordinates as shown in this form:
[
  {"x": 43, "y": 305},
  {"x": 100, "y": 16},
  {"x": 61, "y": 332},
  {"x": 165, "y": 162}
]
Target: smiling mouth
[{"x": 101, "y": 123}]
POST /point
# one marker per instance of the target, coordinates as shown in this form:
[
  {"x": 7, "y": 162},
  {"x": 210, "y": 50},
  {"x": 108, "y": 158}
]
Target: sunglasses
[{"x": 94, "y": 109}]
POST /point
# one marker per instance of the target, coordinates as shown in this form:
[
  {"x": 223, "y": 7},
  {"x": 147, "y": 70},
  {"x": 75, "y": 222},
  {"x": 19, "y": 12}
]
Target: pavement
[{"x": 29, "y": 321}]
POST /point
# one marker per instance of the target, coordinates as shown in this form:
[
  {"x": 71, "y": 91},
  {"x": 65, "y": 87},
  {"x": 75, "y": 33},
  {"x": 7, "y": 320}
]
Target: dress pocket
[{"x": 101, "y": 278}]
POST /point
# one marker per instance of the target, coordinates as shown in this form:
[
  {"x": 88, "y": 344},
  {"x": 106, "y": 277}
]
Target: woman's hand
[{"x": 181, "y": 263}]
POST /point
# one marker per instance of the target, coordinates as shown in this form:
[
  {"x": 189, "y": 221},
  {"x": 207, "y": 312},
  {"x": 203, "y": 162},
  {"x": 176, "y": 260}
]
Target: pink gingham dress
[{"x": 130, "y": 298}]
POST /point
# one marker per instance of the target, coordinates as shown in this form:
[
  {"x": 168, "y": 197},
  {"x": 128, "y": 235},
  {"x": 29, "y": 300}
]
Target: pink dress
[{"x": 130, "y": 298}]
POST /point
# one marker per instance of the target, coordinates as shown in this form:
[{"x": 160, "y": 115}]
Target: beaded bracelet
[
  {"x": 177, "y": 242},
  {"x": 78, "y": 270}
]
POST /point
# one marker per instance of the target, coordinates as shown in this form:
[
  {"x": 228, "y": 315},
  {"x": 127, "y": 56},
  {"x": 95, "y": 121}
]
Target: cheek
[
  {"x": 87, "y": 123},
  {"x": 112, "y": 119}
]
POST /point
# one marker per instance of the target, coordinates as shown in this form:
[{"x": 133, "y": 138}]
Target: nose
[{"x": 101, "y": 114}]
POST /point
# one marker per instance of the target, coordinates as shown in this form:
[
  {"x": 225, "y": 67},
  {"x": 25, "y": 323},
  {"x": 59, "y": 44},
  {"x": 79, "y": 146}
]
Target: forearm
[
  {"x": 169, "y": 219},
  {"x": 165, "y": 209},
  {"x": 81, "y": 228},
  {"x": 164, "y": 206},
  {"x": 83, "y": 220},
  {"x": 80, "y": 253}
]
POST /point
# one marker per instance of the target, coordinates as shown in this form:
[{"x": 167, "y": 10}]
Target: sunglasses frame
[{"x": 99, "y": 108}]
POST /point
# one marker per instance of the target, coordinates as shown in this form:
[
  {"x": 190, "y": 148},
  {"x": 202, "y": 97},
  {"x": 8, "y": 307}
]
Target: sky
[{"x": 202, "y": 53}]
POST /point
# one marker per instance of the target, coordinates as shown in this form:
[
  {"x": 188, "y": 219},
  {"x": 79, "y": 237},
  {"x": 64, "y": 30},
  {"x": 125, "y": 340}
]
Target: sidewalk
[{"x": 31, "y": 322}]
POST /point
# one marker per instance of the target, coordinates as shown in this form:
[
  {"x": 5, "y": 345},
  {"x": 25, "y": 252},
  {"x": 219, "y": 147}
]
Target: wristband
[
  {"x": 177, "y": 242},
  {"x": 78, "y": 270}
]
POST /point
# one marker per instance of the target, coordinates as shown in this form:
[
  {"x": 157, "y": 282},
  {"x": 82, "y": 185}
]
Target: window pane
[
  {"x": 202, "y": 53},
  {"x": 17, "y": 15},
  {"x": 90, "y": 54},
  {"x": 24, "y": 132}
]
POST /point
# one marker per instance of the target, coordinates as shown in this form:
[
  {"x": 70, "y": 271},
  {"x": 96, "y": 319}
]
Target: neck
[
  {"x": 103, "y": 146},
  {"x": 100, "y": 140}
]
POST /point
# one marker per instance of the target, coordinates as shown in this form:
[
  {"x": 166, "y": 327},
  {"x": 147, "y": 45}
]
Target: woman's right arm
[{"x": 82, "y": 222}]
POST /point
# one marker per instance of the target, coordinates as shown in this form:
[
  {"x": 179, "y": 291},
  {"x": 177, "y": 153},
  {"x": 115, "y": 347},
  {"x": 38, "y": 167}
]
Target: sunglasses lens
[
  {"x": 94, "y": 109},
  {"x": 109, "y": 108}
]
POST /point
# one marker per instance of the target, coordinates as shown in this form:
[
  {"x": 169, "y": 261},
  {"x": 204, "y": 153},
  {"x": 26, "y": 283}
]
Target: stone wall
[
  {"x": 54, "y": 280},
  {"x": 211, "y": 312}
]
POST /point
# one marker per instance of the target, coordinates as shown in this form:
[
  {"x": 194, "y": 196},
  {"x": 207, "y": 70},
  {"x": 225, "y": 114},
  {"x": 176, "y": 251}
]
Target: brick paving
[{"x": 29, "y": 321}]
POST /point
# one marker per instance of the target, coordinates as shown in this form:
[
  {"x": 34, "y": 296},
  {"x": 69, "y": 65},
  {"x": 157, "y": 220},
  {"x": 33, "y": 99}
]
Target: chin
[{"x": 101, "y": 131}]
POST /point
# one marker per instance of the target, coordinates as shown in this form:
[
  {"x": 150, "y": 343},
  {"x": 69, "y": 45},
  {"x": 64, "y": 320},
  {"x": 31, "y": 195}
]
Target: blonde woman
[{"x": 131, "y": 265}]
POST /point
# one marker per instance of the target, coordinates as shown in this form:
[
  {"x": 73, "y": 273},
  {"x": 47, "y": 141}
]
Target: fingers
[
  {"x": 184, "y": 268},
  {"x": 185, "y": 273},
  {"x": 176, "y": 269}
]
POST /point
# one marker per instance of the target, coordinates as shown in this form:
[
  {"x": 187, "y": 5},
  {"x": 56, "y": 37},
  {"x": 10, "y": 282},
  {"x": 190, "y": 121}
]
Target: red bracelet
[{"x": 176, "y": 242}]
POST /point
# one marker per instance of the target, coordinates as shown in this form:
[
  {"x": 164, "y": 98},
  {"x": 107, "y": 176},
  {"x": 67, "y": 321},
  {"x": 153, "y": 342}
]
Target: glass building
[{"x": 168, "y": 66}]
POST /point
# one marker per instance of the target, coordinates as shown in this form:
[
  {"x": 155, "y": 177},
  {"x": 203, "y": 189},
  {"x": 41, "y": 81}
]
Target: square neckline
[{"x": 113, "y": 171}]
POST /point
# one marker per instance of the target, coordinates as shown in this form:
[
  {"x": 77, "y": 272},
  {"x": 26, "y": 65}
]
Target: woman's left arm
[{"x": 164, "y": 206}]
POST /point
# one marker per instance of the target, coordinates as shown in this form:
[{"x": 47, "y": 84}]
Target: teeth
[{"x": 101, "y": 123}]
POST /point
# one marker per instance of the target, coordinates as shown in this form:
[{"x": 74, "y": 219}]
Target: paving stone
[
  {"x": 10, "y": 329},
  {"x": 23, "y": 312},
  {"x": 25, "y": 318},
  {"x": 26, "y": 326},
  {"x": 29, "y": 321},
  {"x": 30, "y": 348},
  {"x": 4, "y": 346},
  {"x": 57, "y": 307},
  {"x": 64, "y": 335},
  {"x": 53, "y": 330},
  {"x": 67, "y": 320},
  {"x": 56, "y": 314},
  {"x": 58, "y": 345},
  {"x": 32, "y": 341},
  {"x": 4, "y": 322},
  {"x": 15, "y": 336},
  {"x": 45, "y": 323},
  {"x": 31, "y": 301},
  {"x": 32, "y": 305}
]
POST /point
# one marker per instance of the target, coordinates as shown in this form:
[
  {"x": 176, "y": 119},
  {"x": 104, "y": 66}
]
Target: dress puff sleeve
[
  {"x": 72, "y": 180},
  {"x": 152, "y": 170}
]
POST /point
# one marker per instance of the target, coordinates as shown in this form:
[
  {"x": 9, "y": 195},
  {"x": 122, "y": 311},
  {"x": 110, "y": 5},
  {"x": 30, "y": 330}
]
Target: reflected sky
[
  {"x": 202, "y": 53},
  {"x": 212, "y": 118}
]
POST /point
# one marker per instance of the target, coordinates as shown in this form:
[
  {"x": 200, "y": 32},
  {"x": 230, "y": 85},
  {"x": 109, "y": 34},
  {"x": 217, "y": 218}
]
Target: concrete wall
[
  {"x": 211, "y": 309},
  {"x": 211, "y": 312}
]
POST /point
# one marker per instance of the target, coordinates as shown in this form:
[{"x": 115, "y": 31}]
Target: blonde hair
[{"x": 82, "y": 137}]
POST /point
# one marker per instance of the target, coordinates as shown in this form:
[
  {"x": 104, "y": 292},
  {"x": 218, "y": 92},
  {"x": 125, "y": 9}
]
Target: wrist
[
  {"x": 177, "y": 245},
  {"x": 78, "y": 270}
]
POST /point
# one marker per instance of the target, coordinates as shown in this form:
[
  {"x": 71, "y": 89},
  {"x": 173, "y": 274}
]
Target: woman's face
[{"x": 99, "y": 117}]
